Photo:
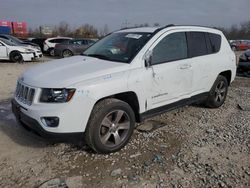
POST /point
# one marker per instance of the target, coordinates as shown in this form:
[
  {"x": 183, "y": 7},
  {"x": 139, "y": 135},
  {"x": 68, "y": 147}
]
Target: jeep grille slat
[{"x": 24, "y": 94}]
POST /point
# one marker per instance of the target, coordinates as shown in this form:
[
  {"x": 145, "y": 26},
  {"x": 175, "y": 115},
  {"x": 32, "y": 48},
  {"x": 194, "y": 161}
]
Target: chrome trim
[{"x": 24, "y": 94}]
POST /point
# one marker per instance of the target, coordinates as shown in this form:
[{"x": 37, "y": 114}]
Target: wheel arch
[
  {"x": 129, "y": 97},
  {"x": 50, "y": 48},
  {"x": 228, "y": 75},
  {"x": 13, "y": 51},
  {"x": 68, "y": 50}
]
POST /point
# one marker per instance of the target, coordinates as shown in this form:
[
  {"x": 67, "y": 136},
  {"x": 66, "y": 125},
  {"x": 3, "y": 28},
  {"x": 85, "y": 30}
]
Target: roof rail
[
  {"x": 159, "y": 29},
  {"x": 169, "y": 25}
]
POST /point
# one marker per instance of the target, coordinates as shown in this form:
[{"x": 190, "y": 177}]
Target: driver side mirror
[{"x": 148, "y": 58}]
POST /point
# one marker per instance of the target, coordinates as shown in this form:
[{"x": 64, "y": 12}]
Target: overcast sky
[{"x": 116, "y": 12}]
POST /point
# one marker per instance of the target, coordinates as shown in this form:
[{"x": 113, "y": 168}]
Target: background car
[
  {"x": 244, "y": 63},
  {"x": 49, "y": 44},
  {"x": 72, "y": 47},
  {"x": 38, "y": 41},
  {"x": 17, "y": 53},
  {"x": 18, "y": 41},
  {"x": 240, "y": 45}
]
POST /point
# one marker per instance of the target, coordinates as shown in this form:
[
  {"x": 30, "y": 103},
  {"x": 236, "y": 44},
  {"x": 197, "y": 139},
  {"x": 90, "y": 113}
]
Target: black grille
[{"x": 24, "y": 94}]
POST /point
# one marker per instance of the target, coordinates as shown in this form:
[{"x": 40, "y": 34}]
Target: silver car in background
[{"x": 72, "y": 47}]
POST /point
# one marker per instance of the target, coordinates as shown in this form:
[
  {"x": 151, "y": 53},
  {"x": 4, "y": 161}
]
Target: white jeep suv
[{"x": 124, "y": 78}]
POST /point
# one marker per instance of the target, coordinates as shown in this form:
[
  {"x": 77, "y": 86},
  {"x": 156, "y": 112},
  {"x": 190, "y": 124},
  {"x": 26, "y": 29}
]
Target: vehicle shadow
[
  {"x": 23, "y": 62},
  {"x": 18, "y": 134},
  {"x": 44, "y": 59},
  {"x": 6, "y": 61}
]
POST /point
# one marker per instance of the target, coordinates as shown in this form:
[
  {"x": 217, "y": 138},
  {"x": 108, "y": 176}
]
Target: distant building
[
  {"x": 46, "y": 30},
  {"x": 19, "y": 29}
]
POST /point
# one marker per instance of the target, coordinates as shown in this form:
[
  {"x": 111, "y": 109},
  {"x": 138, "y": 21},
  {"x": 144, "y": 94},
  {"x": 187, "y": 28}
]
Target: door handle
[{"x": 185, "y": 66}]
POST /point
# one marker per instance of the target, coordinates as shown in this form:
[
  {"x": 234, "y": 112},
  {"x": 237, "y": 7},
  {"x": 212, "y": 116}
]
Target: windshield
[
  {"x": 75, "y": 41},
  {"x": 121, "y": 46},
  {"x": 8, "y": 42},
  {"x": 15, "y": 40}
]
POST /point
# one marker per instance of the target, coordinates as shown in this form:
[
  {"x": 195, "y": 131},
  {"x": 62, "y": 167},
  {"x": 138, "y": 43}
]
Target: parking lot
[{"x": 189, "y": 147}]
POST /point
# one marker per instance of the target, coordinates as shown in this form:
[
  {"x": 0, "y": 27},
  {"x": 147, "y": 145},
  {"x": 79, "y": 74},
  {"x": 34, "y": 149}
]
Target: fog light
[{"x": 50, "y": 121}]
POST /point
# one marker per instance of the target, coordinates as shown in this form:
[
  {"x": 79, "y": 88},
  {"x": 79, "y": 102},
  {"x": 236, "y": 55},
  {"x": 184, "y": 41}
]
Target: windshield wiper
[{"x": 99, "y": 56}]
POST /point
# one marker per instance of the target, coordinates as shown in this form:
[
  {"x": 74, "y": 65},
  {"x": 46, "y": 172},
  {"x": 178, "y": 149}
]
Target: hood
[
  {"x": 28, "y": 46},
  {"x": 68, "y": 71}
]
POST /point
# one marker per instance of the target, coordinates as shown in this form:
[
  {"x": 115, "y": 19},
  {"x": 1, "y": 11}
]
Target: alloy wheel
[
  {"x": 220, "y": 91},
  {"x": 114, "y": 128}
]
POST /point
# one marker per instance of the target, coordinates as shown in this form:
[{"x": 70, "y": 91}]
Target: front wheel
[
  {"x": 218, "y": 93},
  {"x": 110, "y": 126},
  {"x": 16, "y": 57},
  {"x": 51, "y": 52}
]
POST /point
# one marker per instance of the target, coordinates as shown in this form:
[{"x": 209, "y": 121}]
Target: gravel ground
[{"x": 188, "y": 147}]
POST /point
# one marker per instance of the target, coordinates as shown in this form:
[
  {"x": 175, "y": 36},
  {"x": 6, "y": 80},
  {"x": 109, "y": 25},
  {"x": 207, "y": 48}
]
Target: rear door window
[
  {"x": 196, "y": 44},
  {"x": 84, "y": 42},
  {"x": 58, "y": 40}
]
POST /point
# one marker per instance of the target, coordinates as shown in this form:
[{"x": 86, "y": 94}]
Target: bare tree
[
  {"x": 104, "y": 31},
  {"x": 62, "y": 30},
  {"x": 86, "y": 31},
  {"x": 156, "y": 24}
]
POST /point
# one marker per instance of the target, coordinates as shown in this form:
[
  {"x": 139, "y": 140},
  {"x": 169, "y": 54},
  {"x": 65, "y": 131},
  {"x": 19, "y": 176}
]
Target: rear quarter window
[{"x": 215, "y": 40}]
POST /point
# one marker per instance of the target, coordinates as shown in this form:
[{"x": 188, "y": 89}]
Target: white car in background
[
  {"x": 18, "y": 53},
  {"x": 50, "y": 43}
]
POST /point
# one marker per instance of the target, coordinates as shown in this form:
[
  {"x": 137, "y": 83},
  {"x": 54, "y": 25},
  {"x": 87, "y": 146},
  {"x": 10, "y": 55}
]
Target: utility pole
[{"x": 125, "y": 24}]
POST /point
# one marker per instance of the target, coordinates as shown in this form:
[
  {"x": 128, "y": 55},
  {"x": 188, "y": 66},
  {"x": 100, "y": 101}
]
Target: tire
[
  {"x": 110, "y": 126},
  {"x": 16, "y": 57},
  {"x": 51, "y": 52},
  {"x": 218, "y": 93},
  {"x": 234, "y": 48},
  {"x": 67, "y": 53}
]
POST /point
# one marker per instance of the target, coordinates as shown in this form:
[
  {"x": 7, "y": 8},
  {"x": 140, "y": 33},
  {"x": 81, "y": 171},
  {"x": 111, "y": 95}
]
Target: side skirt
[{"x": 172, "y": 106}]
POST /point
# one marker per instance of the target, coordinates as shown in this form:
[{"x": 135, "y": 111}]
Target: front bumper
[
  {"x": 34, "y": 125},
  {"x": 32, "y": 56},
  {"x": 27, "y": 56},
  {"x": 38, "y": 55}
]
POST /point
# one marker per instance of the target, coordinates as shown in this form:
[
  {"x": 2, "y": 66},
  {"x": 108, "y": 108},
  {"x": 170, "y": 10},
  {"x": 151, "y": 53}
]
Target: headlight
[
  {"x": 56, "y": 95},
  {"x": 37, "y": 47},
  {"x": 28, "y": 50}
]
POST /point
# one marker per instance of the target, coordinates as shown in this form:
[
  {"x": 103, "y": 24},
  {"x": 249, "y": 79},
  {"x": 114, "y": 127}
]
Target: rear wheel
[
  {"x": 110, "y": 126},
  {"x": 218, "y": 93},
  {"x": 234, "y": 48},
  {"x": 16, "y": 57},
  {"x": 51, "y": 52},
  {"x": 67, "y": 53}
]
